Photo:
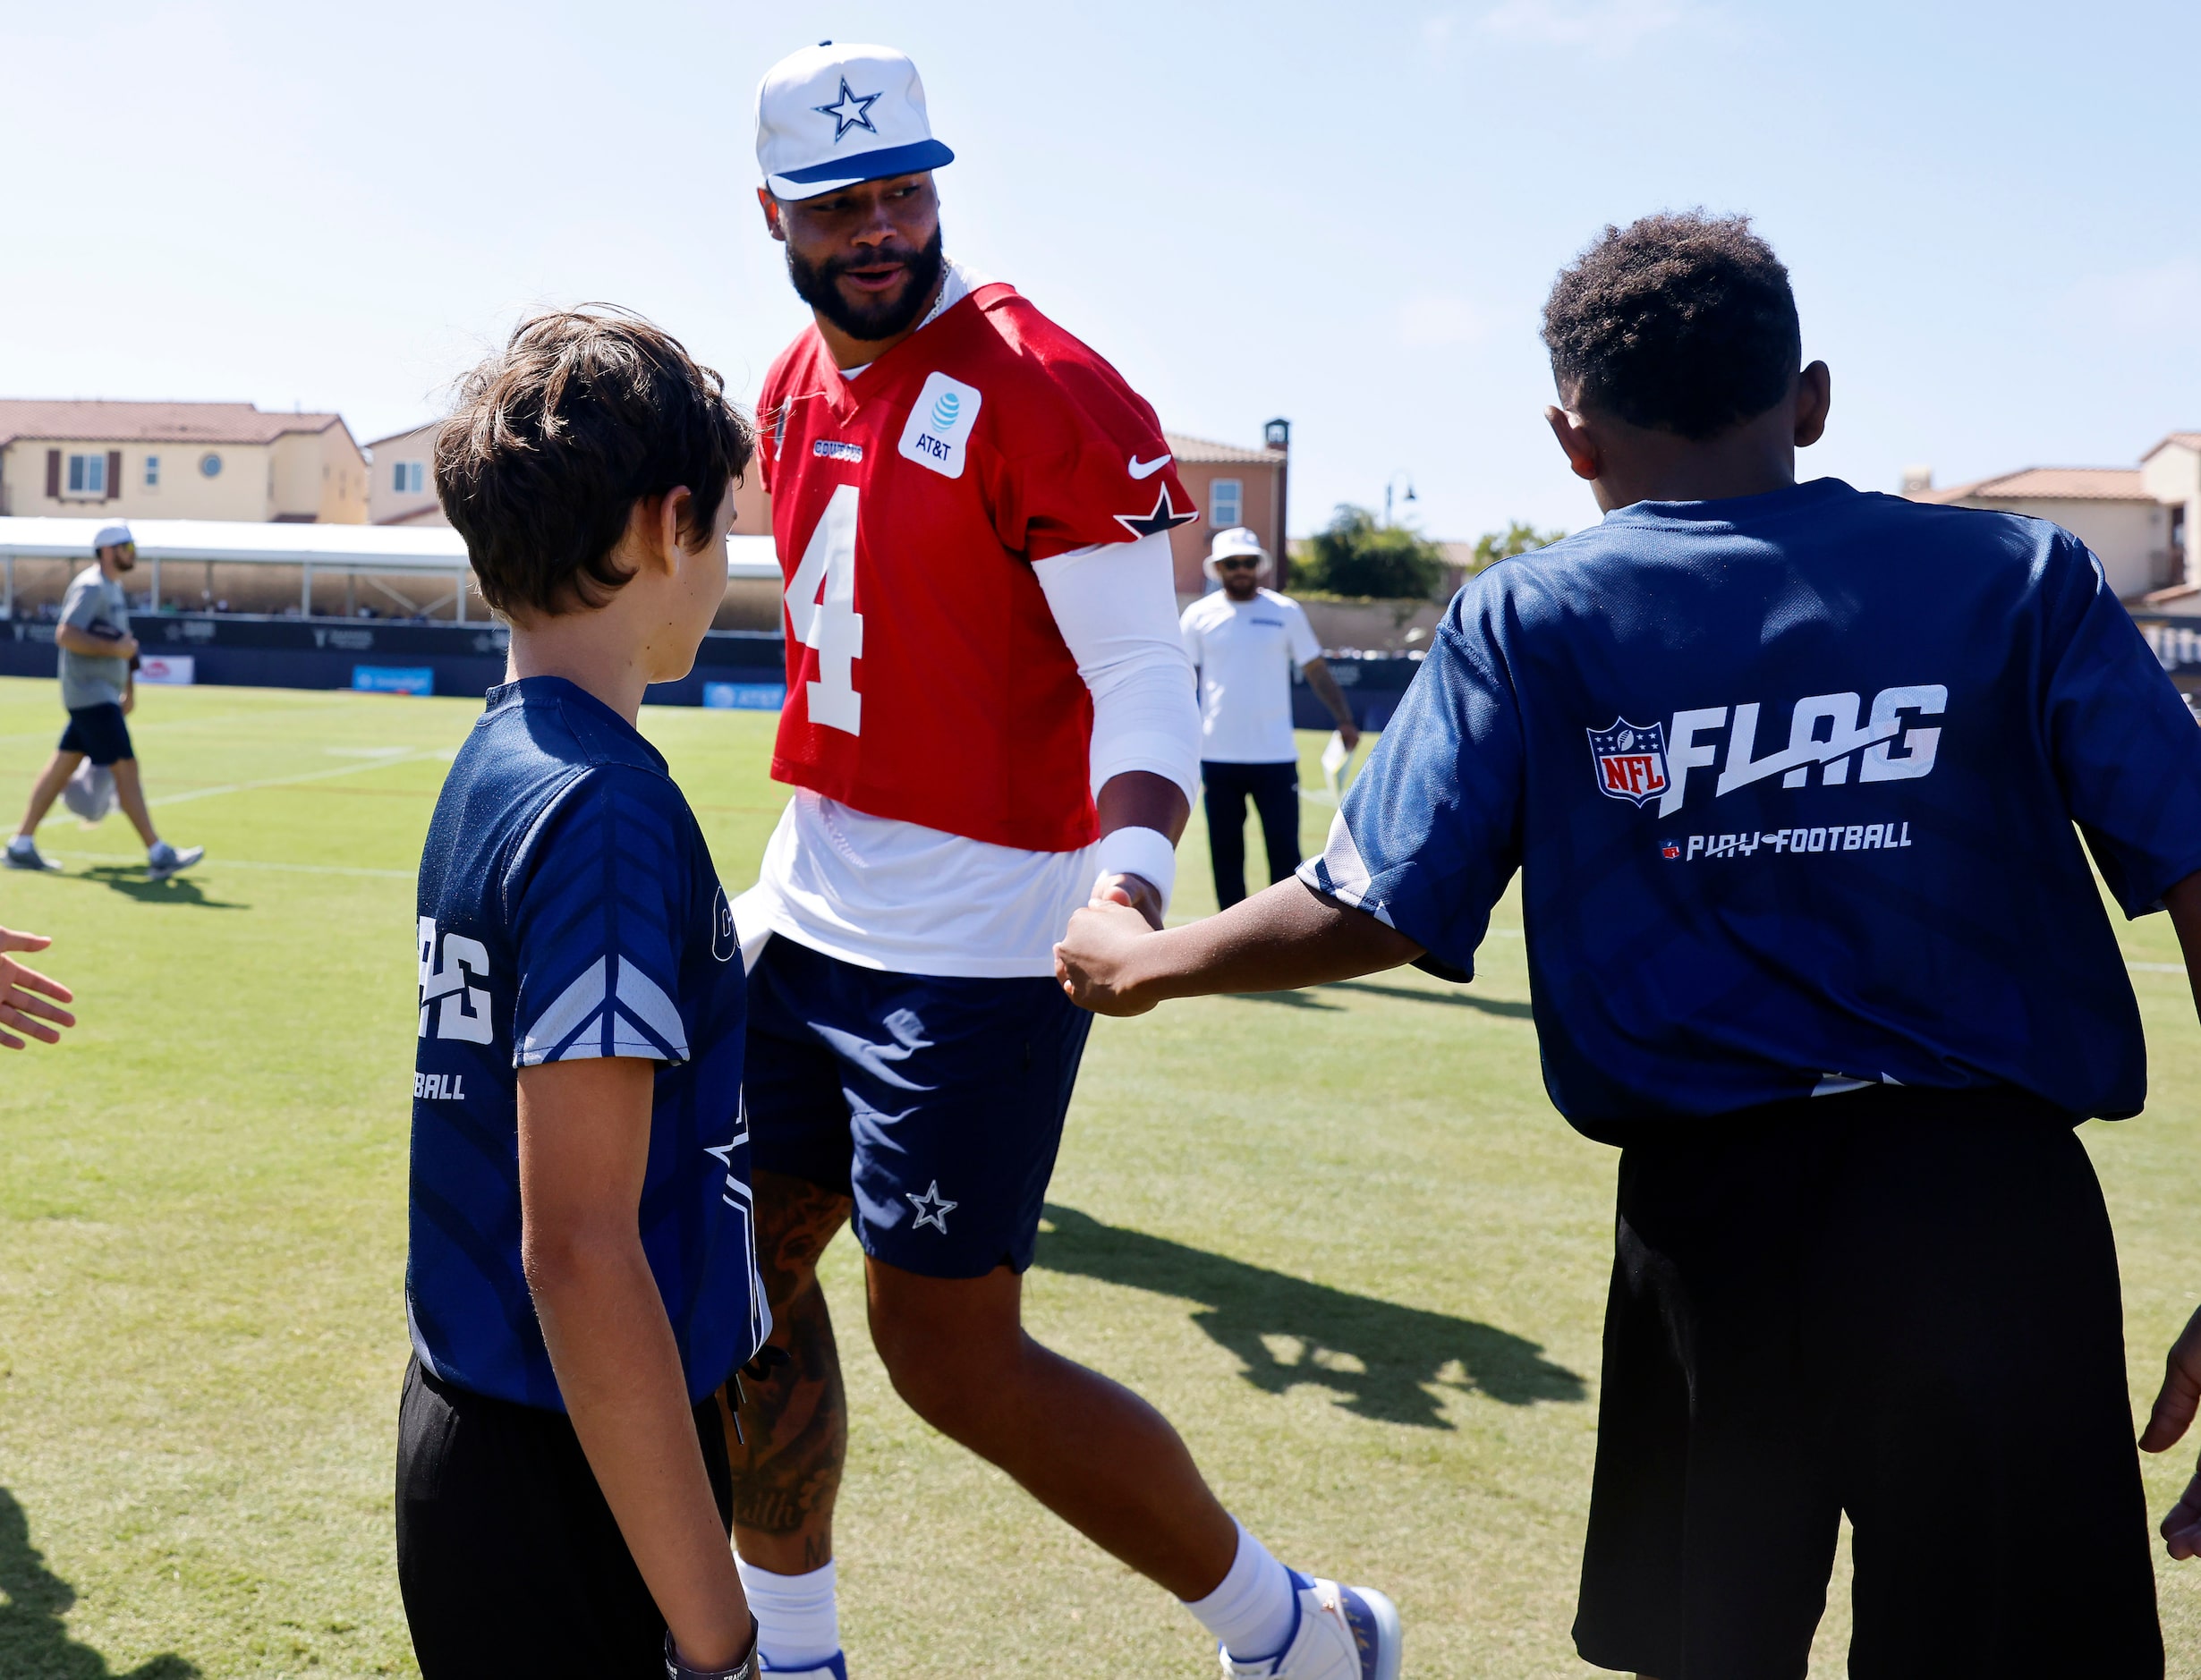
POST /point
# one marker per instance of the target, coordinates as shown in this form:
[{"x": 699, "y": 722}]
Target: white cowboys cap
[
  {"x": 831, "y": 116},
  {"x": 111, "y": 537},
  {"x": 1238, "y": 540}
]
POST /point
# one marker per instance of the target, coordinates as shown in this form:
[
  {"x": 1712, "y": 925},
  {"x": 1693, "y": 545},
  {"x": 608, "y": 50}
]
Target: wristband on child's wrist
[
  {"x": 677, "y": 1667},
  {"x": 1146, "y": 852}
]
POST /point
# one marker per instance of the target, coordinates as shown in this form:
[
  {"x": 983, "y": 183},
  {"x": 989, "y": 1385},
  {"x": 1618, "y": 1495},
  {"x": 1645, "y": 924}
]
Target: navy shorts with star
[{"x": 937, "y": 1103}]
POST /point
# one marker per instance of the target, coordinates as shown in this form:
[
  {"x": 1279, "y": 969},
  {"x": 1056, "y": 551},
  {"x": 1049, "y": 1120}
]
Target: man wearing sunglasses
[
  {"x": 97, "y": 655},
  {"x": 1244, "y": 640}
]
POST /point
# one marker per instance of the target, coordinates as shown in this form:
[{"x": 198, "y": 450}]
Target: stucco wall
[
  {"x": 2173, "y": 474},
  {"x": 239, "y": 491},
  {"x": 384, "y": 503}
]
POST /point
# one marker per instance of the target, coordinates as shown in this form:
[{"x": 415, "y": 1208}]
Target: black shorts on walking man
[{"x": 1795, "y": 779}]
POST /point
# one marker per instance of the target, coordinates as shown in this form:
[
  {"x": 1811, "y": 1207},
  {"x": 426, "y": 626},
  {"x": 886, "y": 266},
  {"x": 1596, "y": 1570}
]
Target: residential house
[
  {"x": 178, "y": 461},
  {"x": 2143, "y": 522},
  {"x": 403, "y": 487}
]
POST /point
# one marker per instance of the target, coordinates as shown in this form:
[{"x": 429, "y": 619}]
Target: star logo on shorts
[{"x": 933, "y": 1208}]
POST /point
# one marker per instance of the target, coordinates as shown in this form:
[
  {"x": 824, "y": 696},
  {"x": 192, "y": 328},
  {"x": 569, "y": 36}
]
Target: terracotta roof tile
[
  {"x": 1199, "y": 450},
  {"x": 102, "y": 421},
  {"x": 2048, "y": 484}
]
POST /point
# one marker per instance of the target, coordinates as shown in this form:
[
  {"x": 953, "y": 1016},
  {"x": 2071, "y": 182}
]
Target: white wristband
[{"x": 1146, "y": 852}]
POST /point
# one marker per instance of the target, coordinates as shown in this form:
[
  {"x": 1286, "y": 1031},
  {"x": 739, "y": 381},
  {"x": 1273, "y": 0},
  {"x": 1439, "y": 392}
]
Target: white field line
[
  {"x": 2156, "y": 968},
  {"x": 412, "y": 756}
]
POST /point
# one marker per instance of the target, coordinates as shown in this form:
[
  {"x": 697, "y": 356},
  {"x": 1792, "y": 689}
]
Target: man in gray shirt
[{"x": 96, "y": 654}]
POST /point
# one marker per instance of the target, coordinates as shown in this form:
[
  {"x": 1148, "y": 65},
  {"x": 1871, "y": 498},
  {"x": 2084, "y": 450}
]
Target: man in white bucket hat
[
  {"x": 989, "y": 721},
  {"x": 1244, "y": 640}
]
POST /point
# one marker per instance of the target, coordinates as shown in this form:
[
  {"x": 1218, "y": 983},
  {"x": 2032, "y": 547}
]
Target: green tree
[
  {"x": 1494, "y": 546},
  {"x": 1355, "y": 554}
]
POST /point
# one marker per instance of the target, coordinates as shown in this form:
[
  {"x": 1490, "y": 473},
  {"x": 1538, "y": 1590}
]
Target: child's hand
[
  {"x": 2174, "y": 1409},
  {"x": 1094, "y": 960},
  {"x": 18, "y": 1008},
  {"x": 1135, "y": 890}
]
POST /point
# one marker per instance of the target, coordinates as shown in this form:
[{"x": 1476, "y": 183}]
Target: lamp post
[{"x": 1389, "y": 485}]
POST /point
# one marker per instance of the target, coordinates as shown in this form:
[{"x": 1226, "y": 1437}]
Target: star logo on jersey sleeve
[
  {"x": 1164, "y": 517},
  {"x": 933, "y": 1208},
  {"x": 850, "y": 110}
]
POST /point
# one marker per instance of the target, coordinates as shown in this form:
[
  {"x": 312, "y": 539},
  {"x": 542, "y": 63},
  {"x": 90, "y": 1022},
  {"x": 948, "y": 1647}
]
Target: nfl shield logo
[{"x": 1630, "y": 760}]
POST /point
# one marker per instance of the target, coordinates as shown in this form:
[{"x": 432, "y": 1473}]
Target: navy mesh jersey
[
  {"x": 568, "y": 908},
  {"x": 1791, "y": 781}
]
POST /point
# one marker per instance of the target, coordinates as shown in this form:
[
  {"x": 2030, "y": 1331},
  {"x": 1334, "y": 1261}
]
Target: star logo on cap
[
  {"x": 850, "y": 110},
  {"x": 933, "y": 1208},
  {"x": 1164, "y": 517}
]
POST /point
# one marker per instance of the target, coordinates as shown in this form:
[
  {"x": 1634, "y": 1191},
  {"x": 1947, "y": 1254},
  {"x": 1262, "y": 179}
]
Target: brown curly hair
[{"x": 1682, "y": 323}]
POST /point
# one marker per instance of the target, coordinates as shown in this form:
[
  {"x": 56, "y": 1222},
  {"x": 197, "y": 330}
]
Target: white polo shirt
[{"x": 1246, "y": 652}]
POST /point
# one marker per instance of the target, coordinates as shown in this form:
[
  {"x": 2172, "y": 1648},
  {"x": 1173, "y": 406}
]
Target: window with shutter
[
  {"x": 115, "y": 473},
  {"x": 53, "y": 474}
]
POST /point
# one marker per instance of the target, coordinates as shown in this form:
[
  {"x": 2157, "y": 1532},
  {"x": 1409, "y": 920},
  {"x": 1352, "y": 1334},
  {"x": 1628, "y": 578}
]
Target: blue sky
[{"x": 1347, "y": 215}]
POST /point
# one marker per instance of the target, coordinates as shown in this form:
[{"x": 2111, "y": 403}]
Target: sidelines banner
[
  {"x": 178, "y": 670},
  {"x": 394, "y": 678},
  {"x": 745, "y": 697}
]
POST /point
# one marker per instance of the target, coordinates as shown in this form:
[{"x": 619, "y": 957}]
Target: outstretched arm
[
  {"x": 1286, "y": 936},
  {"x": 1326, "y": 689},
  {"x": 2181, "y": 1395}
]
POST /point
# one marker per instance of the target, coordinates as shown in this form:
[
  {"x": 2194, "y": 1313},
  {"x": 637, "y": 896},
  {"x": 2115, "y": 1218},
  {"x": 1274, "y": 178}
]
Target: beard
[{"x": 818, "y": 285}]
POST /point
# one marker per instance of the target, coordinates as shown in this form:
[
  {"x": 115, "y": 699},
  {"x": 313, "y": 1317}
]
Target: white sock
[
  {"x": 798, "y": 1617},
  {"x": 1251, "y": 1613}
]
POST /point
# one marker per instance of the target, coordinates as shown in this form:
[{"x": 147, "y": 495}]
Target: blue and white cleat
[
  {"x": 164, "y": 861},
  {"x": 24, "y": 853},
  {"x": 834, "y": 1668},
  {"x": 1337, "y": 1634}
]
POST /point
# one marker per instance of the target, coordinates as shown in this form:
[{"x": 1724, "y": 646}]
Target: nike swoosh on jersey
[{"x": 1147, "y": 468}]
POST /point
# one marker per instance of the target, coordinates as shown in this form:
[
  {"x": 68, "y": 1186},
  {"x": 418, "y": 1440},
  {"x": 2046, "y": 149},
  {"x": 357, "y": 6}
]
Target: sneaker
[
  {"x": 24, "y": 853},
  {"x": 164, "y": 861},
  {"x": 834, "y": 1668},
  {"x": 1337, "y": 1634}
]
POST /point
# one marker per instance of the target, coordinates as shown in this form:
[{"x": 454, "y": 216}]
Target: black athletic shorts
[
  {"x": 1897, "y": 1304},
  {"x": 98, "y": 732},
  {"x": 509, "y": 1560}
]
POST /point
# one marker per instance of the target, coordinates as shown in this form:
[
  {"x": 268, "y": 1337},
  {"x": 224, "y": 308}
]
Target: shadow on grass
[
  {"x": 1461, "y": 999},
  {"x": 34, "y": 1643},
  {"x": 1308, "y": 999},
  {"x": 1383, "y": 1360},
  {"x": 129, "y": 879}
]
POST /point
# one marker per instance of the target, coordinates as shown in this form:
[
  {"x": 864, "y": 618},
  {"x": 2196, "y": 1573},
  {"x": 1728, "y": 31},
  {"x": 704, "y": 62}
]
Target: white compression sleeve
[{"x": 1115, "y": 606}]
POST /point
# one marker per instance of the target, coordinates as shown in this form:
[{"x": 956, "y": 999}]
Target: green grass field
[{"x": 1339, "y": 1237}]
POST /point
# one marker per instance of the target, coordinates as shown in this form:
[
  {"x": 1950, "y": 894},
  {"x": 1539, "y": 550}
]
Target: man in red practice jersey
[{"x": 988, "y": 721}]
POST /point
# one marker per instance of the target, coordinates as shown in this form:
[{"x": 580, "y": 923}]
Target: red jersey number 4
[{"x": 822, "y": 611}]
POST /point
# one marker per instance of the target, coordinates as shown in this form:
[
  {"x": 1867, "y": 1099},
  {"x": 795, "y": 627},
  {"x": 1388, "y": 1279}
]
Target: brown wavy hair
[{"x": 584, "y": 412}]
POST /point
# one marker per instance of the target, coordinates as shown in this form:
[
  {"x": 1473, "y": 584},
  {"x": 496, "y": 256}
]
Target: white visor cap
[
  {"x": 1238, "y": 540},
  {"x": 831, "y": 116},
  {"x": 111, "y": 537}
]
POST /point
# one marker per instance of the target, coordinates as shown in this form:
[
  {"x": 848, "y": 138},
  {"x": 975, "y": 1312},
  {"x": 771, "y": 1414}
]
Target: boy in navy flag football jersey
[
  {"x": 582, "y": 1276},
  {"x": 1801, "y": 784}
]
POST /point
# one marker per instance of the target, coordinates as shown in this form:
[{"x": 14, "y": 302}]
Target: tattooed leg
[{"x": 788, "y": 1469}]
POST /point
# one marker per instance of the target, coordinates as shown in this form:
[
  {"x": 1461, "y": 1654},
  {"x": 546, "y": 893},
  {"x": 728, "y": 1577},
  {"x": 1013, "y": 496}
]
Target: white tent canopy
[{"x": 339, "y": 549}]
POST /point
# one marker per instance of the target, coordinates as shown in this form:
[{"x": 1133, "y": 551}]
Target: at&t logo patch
[
  {"x": 939, "y": 425},
  {"x": 1629, "y": 760}
]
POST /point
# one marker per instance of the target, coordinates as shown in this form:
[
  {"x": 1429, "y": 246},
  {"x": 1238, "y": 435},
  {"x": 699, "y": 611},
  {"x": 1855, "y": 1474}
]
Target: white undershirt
[{"x": 895, "y": 896}]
